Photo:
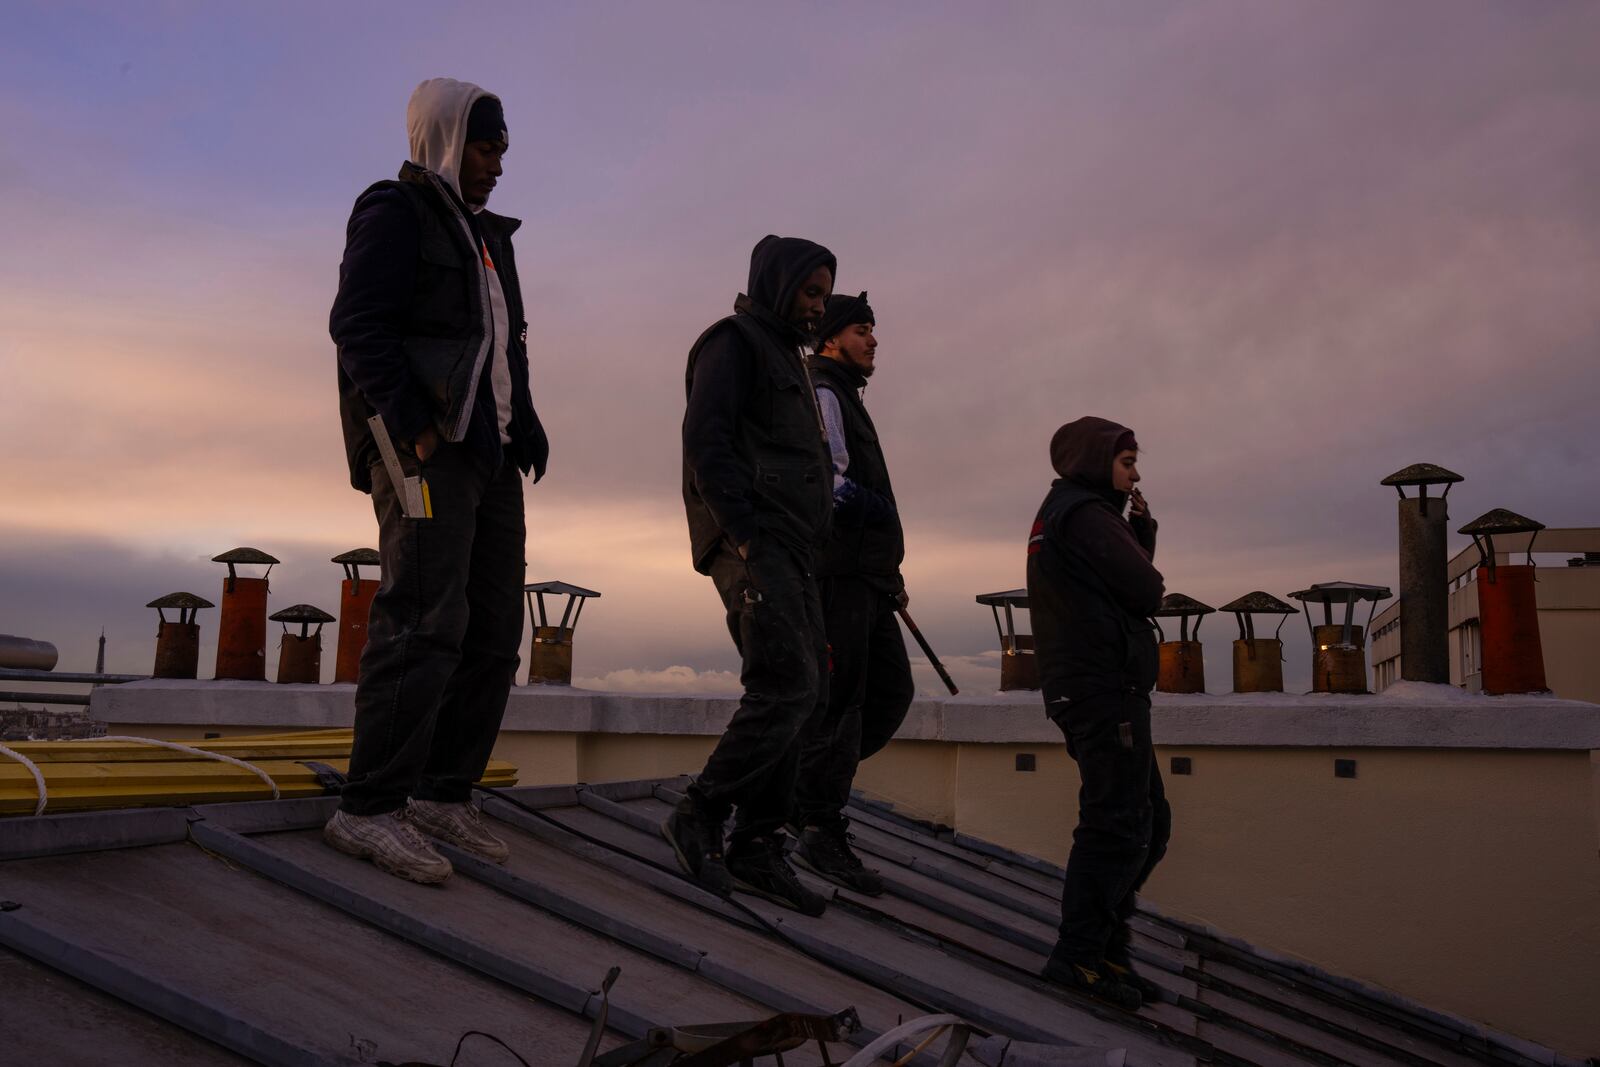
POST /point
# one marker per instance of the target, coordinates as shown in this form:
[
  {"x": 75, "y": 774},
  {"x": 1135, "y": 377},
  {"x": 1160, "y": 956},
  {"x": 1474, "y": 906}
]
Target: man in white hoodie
[{"x": 439, "y": 427}]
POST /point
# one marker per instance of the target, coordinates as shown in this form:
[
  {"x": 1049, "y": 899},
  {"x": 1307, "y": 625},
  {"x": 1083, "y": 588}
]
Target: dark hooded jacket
[
  {"x": 410, "y": 317},
  {"x": 1091, "y": 584},
  {"x": 755, "y": 461}
]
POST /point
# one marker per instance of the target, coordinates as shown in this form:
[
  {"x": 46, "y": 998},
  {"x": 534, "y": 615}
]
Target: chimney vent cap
[
  {"x": 1500, "y": 521},
  {"x": 244, "y": 555},
  {"x": 559, "y": 589},
  {"x": 180, "y": 601},
  {"x": 301, "y": 613},
  {"x": 1423, "y": 474},
  {"x": 1341, "y": 593},
  {"x": 360, "y": 557},
  {"x": 1017, "y": 598},
  {"x": 1260, "y": 603},
  {"x": 1174, "y": 604}
]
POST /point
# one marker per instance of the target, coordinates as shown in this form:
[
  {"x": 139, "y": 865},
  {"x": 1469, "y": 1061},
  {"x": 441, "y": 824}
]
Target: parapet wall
[{"x": 1442, "y": 845}]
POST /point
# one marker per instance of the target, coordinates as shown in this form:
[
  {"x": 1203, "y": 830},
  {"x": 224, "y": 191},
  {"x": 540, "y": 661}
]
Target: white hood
[{"x": 436, "y": 123}]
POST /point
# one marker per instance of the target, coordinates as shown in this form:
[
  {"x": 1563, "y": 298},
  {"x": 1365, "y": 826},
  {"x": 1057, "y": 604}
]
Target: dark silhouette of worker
[
  {"x": 1091, "y": 590},
  {"x": 758, "y": 490}
]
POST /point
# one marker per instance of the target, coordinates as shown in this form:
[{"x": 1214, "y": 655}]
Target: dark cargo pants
[
  {"x": 1124, "y": 820},
  {"x": 868, "y": 694},
  {"x": 443, "y": 636},
  {"x": 775, "y": 619}
]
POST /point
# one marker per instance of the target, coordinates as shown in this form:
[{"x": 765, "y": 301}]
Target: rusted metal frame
[
  {"x": 123, "y": 979},
  {"x": 565, "y": 615},
  {"x": 468, "y": 953}
]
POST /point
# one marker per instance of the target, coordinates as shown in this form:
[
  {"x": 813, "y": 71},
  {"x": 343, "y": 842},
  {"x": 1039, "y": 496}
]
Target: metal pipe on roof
[
  {"x": 79, "y": 699},
  {"x": 66, "y": 677},
  {"x": 25, "y": 653}
]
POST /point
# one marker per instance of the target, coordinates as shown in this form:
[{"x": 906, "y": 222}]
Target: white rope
[
  {"x": 191, "y": 750},
  {"x": 33, "y": 769}
]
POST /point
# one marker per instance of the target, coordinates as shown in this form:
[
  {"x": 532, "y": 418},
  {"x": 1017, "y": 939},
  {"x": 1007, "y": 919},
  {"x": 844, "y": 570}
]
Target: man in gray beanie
[{"x": 439, "y": 427}]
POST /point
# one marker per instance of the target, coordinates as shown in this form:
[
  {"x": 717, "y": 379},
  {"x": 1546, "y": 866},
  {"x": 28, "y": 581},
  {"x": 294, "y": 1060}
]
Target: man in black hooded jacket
[
  {"x": 859, "y": 579},
  {"x": 759, "y": 499},
  {"x": 1091, "y": 590},
  {"x": 431, "y": 340}
]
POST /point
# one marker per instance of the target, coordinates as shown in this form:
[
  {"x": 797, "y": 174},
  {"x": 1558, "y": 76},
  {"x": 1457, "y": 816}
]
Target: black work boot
[
  {"x": 826, "y": 851},
  {"x": 758, "y": 867},
  {"x": 1095, "y": 980},
  {"x": 1120, "y": 963},
  {"x": 696, "y": 839}
]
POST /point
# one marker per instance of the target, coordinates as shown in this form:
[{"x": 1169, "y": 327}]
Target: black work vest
[
  {"x": 1085, "y": 642},
  {"x": 778, "y": 439},
  {"x": 870, "y": 550}
]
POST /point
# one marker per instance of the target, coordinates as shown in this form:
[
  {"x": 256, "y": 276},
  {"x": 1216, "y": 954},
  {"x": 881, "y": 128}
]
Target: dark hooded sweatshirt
[
  {"x": 408, "y": 315},
  {"x": 755, "y": 460},
  {"x": 1091, "y": 585}
]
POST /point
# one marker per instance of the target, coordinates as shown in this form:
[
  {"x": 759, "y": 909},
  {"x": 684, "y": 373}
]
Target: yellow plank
[{"x": 89, "y": 786}]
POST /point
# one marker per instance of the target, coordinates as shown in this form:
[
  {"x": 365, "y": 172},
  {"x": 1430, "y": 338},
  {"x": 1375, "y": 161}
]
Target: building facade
[{"x": 1568, "y": 588}]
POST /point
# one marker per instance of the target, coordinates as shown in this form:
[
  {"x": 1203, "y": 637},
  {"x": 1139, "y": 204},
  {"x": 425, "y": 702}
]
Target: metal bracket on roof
[
  {"x": 598, "y": 1030},
  {"x": 328, "y": 778}
]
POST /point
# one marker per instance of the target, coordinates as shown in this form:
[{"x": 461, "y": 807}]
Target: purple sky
[{"x": 1295, "y": 245}]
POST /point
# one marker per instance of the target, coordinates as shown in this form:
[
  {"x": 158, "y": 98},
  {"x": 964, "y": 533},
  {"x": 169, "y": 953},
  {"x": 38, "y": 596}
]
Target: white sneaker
[
  {"x": 457, "y": 824},
  {"x": 391, "y": 843}
]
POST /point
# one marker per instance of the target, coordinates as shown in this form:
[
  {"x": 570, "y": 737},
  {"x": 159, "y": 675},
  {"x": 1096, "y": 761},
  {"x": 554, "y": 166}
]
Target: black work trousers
[
  {"x": 868, "y": 694},
  {"x": 775, "y": 619},
  {"x": 443, "y": 636},
  {"x": 1124, "y": 820}
]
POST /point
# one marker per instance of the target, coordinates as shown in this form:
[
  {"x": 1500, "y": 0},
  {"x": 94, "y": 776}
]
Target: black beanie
[
  {"x": 487, "y": 121},
  {"x": 843, "y": 311}
]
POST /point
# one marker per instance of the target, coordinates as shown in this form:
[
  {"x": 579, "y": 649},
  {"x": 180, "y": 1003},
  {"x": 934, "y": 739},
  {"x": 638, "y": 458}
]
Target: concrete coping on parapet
[{"x": 1407, "y": 715}]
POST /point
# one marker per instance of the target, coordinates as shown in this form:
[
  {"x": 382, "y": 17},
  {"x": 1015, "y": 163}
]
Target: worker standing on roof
[
  {"x": 759, "y": 498},
  {"x": 1091, "y": 590},
  {"x": 439, "y": 427},
  {"x": 858, "y": 573}
]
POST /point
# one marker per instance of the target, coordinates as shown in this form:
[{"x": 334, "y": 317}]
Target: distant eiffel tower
[{"x": 100, "y": 657}]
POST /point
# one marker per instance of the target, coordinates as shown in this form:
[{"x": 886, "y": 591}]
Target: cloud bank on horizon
[{"x": 1295, "y": 246}]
